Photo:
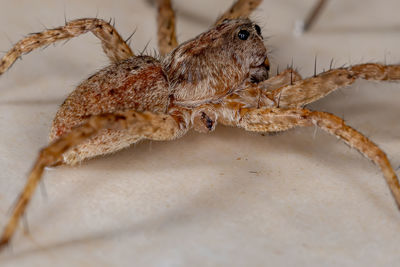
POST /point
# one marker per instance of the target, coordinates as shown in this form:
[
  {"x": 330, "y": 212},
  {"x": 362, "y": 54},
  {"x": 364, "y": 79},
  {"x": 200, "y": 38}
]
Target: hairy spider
[{"x": 220, "y": 76}]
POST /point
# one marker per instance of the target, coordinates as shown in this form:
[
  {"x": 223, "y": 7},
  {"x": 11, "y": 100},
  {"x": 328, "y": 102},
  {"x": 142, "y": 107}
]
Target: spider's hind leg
[
  {"x": 240, "y": 9},
  {"x": 166, "y": 27},
  {"x": 148, "y": 125},
  {"x": 277, "y": 119},
  {"x": 167, "y": 40},
  {"x": 113, "y": 45}
]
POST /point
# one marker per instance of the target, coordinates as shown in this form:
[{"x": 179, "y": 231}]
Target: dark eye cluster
[
  {"x": 258, "y": 29},
  {"x": 244, "y": 34}
]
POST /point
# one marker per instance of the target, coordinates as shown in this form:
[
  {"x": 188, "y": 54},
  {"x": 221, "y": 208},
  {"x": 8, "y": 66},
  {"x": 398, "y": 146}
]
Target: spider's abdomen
[{"x": 138, "y": 83}]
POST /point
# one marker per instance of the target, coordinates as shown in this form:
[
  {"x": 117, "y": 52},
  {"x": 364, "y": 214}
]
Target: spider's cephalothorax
[
  {"x": 219, "y": 76},
  {"x": 217, "y": 62}
]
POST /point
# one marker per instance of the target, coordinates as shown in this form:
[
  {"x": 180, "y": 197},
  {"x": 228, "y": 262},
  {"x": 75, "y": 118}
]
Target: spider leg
[
  {"x": 113, "y": 45},
  {"x": 258, "y": 95},
  {"x": 276, "y": 119},
  {"x": 287, "y": 77},
  {"x": 240, "y": 9},
  {"x": 148, "y": 125},
  {"x": 166, "y": 27},
  {"x": 309, "y": 90}
]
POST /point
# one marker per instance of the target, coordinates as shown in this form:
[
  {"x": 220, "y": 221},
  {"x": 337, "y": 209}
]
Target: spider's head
[
  {"x": 217, "y": 62},
  {"x": 244, "y": 43}
]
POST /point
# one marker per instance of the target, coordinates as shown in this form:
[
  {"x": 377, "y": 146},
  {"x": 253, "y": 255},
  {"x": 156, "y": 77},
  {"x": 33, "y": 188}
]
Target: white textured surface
[{"x": 231, "y": 198}]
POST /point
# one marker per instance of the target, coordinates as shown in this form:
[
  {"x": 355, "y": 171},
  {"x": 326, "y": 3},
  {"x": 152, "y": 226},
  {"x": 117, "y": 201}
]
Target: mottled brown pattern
[
  {"x": 138, "y": 83},
  {"x": 220, "y": 76}
]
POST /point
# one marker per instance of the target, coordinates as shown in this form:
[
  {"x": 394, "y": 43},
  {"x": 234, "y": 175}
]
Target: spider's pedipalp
[
  {"x": 277, "y": 119},
  {"x": 204, "y": 119},
  {"x": 148, "y": 125},
  {"x": 113, "y": 45},
  {"x": 166, "y": 27},
  {"x": 309, "y": 90}
]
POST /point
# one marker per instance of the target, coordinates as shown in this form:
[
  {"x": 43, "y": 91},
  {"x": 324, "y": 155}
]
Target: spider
[{"x": 220, "y": 76}]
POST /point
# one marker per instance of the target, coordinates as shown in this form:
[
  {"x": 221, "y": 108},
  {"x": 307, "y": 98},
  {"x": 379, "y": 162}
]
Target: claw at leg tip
[{"x": 3, "y": 243}]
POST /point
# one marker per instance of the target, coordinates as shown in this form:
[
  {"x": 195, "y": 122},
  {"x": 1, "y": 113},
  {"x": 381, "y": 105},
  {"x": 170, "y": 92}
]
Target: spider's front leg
[
  {"x": 113, "y": 45},
  {"x": 277, "y": 119},
  {"x": 154, "y": 126},
  {"x": 285, "y": 78},
  {"x": 310, "y": 90}
]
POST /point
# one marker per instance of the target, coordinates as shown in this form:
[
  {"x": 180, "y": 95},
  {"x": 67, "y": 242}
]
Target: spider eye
[
  {"x": 243, "y": 35},
  {"x": 258, "y": 29}
]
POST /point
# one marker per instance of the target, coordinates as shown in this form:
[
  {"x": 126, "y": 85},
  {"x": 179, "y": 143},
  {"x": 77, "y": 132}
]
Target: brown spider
[{"x": 220, "y": 76}]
